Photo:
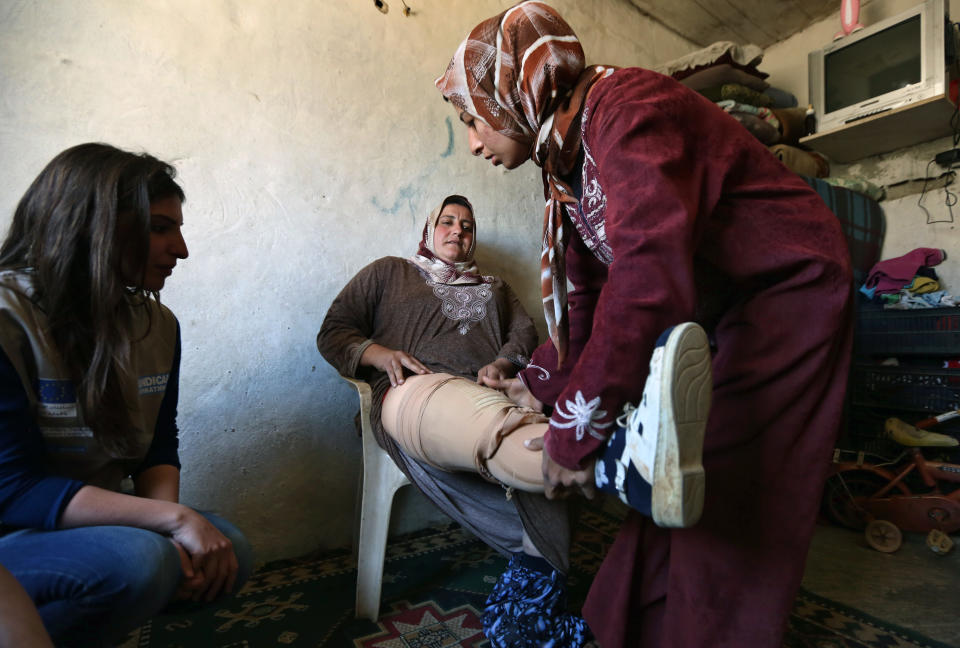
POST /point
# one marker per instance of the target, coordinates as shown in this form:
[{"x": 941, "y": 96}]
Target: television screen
[{"x": 881, "y": 63}]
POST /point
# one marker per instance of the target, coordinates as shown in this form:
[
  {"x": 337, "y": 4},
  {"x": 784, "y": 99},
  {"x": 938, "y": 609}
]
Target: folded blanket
[
  {"x": 738, "y": 93},
  {"x": 743, "y": 57},
  {"x": 794, "y": 124},
  {"x": 717, "y": 75},
  {"x": 780, "y": 98},
  {"x": 801, "y": 162},
  {"x": 766, "y": 114},
  {"x": 763, "y": 131},
  {"x": 922, "y": 285}
]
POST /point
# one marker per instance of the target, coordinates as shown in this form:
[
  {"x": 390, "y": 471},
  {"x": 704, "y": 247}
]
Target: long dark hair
[{"x": 66, "y": 228}]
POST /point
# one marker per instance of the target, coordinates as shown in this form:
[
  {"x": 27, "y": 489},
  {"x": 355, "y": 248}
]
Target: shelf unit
[
  {"x": 885, "y": 132},
  {"x": 917, "y": 387}
]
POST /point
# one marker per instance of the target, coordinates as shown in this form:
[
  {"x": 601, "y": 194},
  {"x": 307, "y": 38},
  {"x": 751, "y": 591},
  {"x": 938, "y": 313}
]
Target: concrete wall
[
  {"x": 908, "y": 225},
  {"x": 310, "y": 140}
]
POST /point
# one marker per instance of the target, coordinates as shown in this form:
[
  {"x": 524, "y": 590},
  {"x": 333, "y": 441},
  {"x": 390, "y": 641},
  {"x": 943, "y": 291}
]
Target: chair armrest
[{"x": 366, "y": 400}]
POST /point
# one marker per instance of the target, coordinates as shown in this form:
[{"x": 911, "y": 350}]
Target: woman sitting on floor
[
  {"x": 436, "y": 317},
  {"x": 89, "y": 369}
]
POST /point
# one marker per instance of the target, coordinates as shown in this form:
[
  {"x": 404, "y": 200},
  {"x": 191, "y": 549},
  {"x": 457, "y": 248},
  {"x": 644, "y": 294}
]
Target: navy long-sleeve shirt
[{"x": 29, "y": 495}]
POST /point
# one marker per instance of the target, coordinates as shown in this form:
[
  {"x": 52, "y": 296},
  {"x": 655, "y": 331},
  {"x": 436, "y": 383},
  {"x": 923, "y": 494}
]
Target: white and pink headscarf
[
  {"x": 523, "y": 73},
  {"x": 444, "y": 272}
]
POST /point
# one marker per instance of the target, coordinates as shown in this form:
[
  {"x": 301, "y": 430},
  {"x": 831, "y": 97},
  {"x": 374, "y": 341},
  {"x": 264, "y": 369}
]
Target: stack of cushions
[{"x": 727, "y": 74}]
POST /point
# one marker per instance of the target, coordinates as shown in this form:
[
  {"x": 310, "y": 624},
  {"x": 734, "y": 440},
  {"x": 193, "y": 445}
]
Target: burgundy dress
[{"x": 685, "y": 216}]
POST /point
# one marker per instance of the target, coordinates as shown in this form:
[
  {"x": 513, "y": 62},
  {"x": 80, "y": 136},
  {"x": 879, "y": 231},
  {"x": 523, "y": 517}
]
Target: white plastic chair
[{"x": 381, "y": 480}]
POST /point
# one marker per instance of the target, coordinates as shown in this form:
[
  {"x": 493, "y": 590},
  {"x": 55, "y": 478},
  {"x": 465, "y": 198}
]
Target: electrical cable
[
  {"x": 947, "y": 159},
  {"x": 950, "y": 198}
]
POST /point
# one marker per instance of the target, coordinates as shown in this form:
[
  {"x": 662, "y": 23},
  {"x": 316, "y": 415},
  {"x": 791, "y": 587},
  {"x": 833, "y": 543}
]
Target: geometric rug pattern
[
  {"x": 817, "y": 622},
  {"x": 434, "y": 585}
]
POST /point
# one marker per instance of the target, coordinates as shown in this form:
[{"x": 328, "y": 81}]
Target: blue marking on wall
[
  {"x": 406, "y": 196},
  {"x": 449, "y": 150}
]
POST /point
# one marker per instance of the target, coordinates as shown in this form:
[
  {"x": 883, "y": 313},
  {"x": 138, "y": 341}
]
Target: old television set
[{"x": 895, "y": 63}]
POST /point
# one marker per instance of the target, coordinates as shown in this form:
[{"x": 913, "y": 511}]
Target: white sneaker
[{"x": 653, "y": 460}]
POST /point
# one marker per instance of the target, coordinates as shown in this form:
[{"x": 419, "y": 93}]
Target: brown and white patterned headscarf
[
  {"x": 444, "y": 272},
  {"x": 523, "y": 73}
]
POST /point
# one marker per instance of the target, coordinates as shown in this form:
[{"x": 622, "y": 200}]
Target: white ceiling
[{"x": 761, "y": 22}]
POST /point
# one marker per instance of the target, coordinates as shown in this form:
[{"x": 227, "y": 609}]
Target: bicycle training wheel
[{"x": 883, "y": 536}]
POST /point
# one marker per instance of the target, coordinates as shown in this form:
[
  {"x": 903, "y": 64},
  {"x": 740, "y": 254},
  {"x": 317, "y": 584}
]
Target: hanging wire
[{"x": 950, "y": 198}]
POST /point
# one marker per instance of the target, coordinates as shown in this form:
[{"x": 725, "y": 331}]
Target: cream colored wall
[
  {"x": 907, "y": 226},
  {"x": 310, "y": 140}
]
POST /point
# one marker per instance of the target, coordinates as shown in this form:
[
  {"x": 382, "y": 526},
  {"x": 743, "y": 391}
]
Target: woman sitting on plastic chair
[
  {"x": 431, "y": 331},
  {"x": 436, "y": 317}
]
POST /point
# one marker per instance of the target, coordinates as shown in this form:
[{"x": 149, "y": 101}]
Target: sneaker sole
[{"x": 686, "y": 389}]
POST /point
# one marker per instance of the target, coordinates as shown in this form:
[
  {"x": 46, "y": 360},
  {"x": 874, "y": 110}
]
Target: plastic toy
[
  {"x": 849, "y": 18},
  {"x": 909, "y": 493}
]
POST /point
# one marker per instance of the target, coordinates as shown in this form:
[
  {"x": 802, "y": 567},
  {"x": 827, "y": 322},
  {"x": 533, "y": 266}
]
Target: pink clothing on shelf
[{"x": 891, "y": 275}]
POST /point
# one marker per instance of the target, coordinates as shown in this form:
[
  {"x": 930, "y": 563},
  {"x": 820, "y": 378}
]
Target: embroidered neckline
[
  {"x": 463, "y": 303},
  {"x": 589, "y": 215}
]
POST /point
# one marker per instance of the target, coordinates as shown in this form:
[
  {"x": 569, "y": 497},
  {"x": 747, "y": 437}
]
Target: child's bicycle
[{"x": 908, "y": 493}]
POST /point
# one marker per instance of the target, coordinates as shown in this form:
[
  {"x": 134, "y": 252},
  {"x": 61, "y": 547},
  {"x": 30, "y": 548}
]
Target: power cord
[
  {"x": 951, "y": 158},
  {"x": 950, "y": 198}
]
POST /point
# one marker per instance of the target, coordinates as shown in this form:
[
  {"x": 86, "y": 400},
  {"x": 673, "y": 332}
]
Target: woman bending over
[
  {"x": 663, "y": 209},
  {"x": 89, "y": 368}
]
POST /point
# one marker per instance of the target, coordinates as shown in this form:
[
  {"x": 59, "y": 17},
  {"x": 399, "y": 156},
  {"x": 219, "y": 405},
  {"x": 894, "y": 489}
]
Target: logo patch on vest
[
  {"x": 57, "y": 398},
  {"x": 153, "y": 384}
]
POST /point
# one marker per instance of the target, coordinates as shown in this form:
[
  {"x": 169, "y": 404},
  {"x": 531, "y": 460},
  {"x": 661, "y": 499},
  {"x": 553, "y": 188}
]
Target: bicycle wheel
[
  {"x": 844, "y": 494},
  {"x": 883, "y": 536}
]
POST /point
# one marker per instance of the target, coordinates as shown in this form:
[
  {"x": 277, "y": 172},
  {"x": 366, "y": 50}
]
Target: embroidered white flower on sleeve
[{"x": 585, "y": 416}]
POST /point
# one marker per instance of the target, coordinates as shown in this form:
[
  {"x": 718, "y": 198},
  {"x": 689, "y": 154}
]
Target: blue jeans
[{"x": 97, "y": 583}]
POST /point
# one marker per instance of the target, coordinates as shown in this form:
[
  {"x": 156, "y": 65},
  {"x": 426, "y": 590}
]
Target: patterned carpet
[{"x": 435, "y": 583}]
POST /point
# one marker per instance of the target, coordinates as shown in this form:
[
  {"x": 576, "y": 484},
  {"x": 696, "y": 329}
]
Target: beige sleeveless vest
[{"x": 71, "y": 449}]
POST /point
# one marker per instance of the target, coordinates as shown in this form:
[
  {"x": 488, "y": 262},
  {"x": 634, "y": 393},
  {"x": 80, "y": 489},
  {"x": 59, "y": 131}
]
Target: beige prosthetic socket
[{"x": 454, "y": 424}]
